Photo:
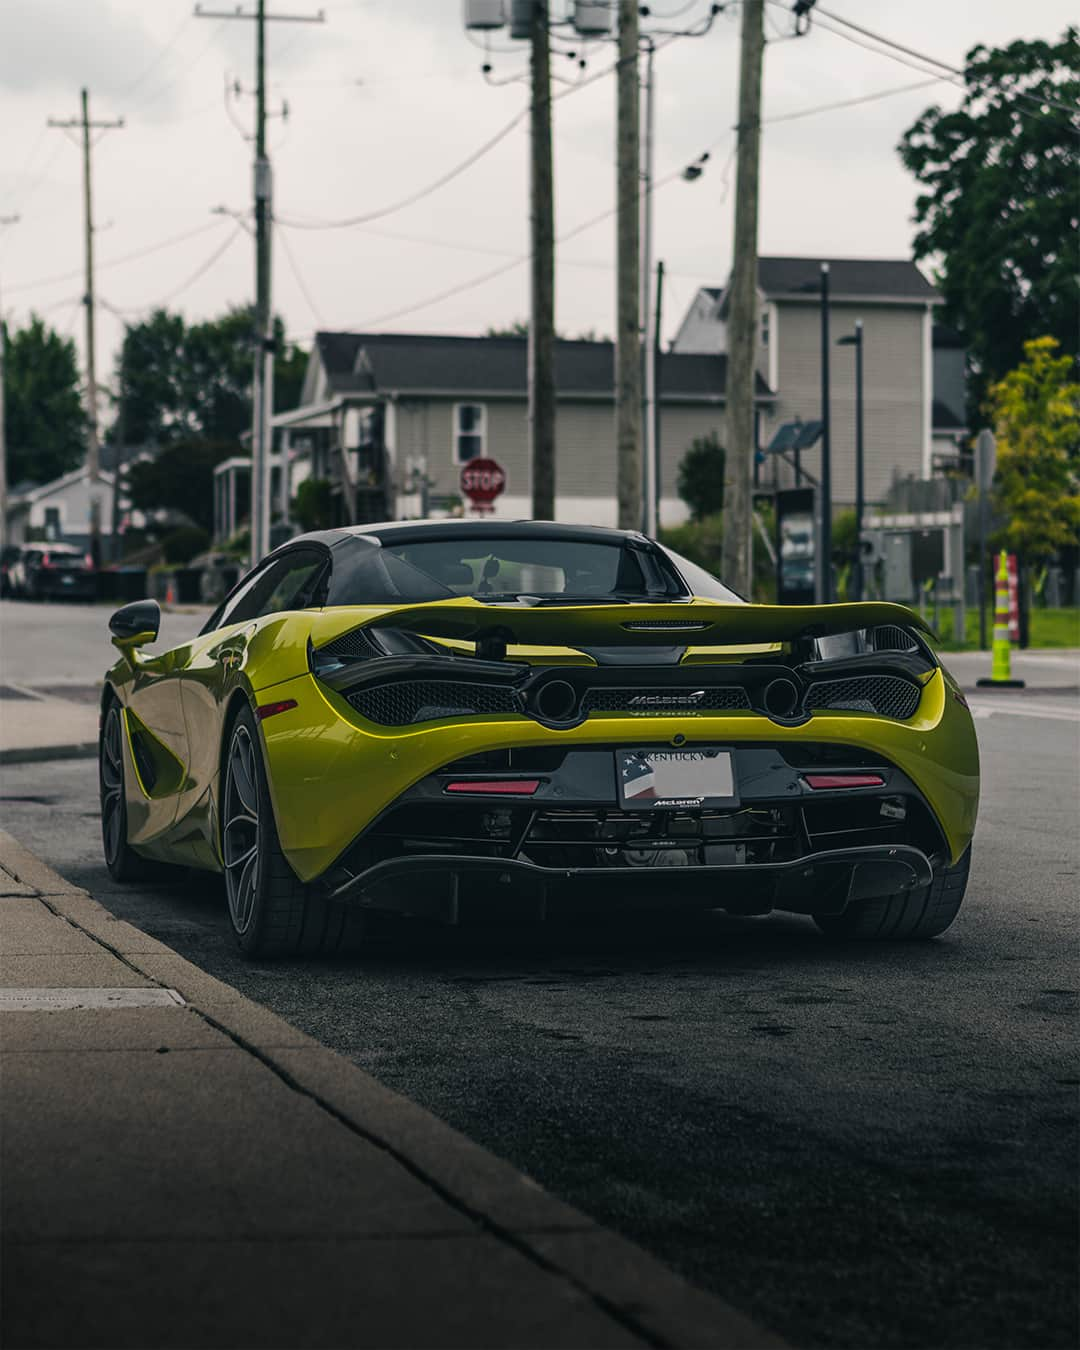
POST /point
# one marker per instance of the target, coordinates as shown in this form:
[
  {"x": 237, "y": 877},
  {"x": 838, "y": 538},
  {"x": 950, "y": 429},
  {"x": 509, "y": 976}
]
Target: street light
[{"x": 856, "y": 340}]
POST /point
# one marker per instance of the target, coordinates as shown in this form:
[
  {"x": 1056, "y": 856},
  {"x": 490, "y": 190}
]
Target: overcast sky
[{"x": 384, "y": 98}]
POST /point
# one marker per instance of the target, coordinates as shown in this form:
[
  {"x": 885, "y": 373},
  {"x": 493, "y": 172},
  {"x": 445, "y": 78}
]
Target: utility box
[
  {"x": 898, "y": 579},
  {"x": 592, "y": 18},
  {"x": 521, "y": 17},
  {"x": 485, "y": 14}
]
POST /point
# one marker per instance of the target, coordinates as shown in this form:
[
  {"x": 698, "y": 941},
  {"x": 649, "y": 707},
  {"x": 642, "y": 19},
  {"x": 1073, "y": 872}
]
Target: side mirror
[{"x": 136, "y": 624}]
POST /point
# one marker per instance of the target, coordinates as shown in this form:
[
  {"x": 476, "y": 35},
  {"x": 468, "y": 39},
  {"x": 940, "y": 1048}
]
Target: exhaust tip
[
  {"x": 555, "y": 701},
  {"x": 781, "y": 698}
]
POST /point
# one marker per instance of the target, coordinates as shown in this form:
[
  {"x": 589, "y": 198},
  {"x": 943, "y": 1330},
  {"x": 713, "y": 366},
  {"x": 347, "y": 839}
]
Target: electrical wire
[
  {"x": 294, "y": 267},
  {"x": 458, "y": 169},
  {"x": 185, "y": 70},
  {"x": 114, "y": 262},
  {"x": 933, "y": 61},
  {"x": 122, "y": 310},
  {"x": 852, "y": 102},
  {"x": 513, "y": 263},
  {"x": 162, "y": 52}
]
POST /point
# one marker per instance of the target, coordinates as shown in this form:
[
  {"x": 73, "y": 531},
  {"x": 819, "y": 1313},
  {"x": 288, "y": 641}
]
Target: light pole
[
  {"x": 856, "y": 340},
  {"x": 825, "y": 571}
]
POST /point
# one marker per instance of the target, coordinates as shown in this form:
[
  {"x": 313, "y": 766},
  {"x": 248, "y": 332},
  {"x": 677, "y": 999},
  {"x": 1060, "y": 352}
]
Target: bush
[
  {"x": 313, "y": 505},
  {"x": 701, "y": 477},
  {"x": 185, "y": 543}
]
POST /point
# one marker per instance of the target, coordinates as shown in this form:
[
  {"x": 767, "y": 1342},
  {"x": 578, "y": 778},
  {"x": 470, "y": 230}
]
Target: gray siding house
[
  {"x": 390, "y": 419},
  {"x": 897, "y": 306}
]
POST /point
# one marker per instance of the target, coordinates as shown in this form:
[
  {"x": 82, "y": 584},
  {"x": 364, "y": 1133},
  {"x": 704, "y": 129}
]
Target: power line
[
  {"x": 204, "y": 267},
  {"x": 155, "y": 60},
  {"x": 115, "y": 262},
  {"x": 852, "y": 102},
  {"x": 458, "y": 169},
  {"x": 933, "y": 61},
  {"x": 294, "y": 268}
]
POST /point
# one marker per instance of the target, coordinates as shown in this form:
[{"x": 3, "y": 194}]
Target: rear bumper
[{"x": 435, "y": 886}]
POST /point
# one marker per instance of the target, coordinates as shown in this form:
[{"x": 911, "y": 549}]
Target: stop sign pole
[{"x": 482, "y": 480}]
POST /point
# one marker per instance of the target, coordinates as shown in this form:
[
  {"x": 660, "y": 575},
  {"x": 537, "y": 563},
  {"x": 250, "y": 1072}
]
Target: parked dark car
[
  {"x": 55, "y": 572},
  {"x": 9, "y": 559}
]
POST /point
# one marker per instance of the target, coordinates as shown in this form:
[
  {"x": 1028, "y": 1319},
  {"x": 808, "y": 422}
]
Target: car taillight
[
  {"x": 46, "y": 561},
  {"x": 507, "y": 787},
  {"x": 266, "y": 710},
  {"x": 821, "y": 781},
  {"x": 88, "y": 561}
]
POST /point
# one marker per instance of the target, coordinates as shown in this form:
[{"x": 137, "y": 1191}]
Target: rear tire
[
  {"x": 909, "y": 915},
  {"x": 272, "y": 912},
  {"x": 124, "y": 864}
]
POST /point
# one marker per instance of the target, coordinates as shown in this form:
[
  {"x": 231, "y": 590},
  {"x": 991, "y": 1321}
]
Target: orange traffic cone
[{"x": 170, "y": 592}]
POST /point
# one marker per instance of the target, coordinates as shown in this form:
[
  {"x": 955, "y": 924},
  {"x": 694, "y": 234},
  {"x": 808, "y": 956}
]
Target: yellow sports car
[{"x": 450, "y": 718}]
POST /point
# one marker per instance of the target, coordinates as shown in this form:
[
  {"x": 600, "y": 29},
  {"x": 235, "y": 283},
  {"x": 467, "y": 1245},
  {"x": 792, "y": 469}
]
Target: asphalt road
[{"x": 860, "y": 1146}]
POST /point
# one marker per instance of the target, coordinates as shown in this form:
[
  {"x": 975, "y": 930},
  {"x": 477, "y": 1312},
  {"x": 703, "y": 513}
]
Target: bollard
[{"x": 1001, "y": 658}]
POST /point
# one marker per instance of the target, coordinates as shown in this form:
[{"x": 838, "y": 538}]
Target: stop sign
[{"x": 482, "y": 480}]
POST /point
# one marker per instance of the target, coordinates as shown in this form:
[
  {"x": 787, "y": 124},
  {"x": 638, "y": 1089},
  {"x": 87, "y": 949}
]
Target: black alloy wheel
[
  {"x": 123, "y": 862},
  {"x": 271, "y": 911}
]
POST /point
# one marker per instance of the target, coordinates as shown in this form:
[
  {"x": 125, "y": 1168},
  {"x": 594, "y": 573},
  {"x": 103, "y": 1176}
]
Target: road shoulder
[{"x": 165, "y": 1137}]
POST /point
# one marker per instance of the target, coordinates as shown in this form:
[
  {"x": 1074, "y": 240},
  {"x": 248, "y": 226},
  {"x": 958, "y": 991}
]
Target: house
[
  {"x": 390, "y": 419},
  {"x": 913, "y": 398},
  {"x": 60, "y": 511}
]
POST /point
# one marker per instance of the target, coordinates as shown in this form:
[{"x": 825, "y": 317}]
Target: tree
[
  {"x": 45, "y": 423},
  {"x": 701, "y": 476},
  {"x": 181, "y": 478},
  {"x": 1036, "y": 410},
  {"x": 518, "y": 329},
  {"x": 1000, "y": 205},
  {"x": 182, "y": 382}
]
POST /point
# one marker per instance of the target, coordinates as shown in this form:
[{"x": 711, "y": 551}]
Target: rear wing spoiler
[{"x": 697, "y": 624}]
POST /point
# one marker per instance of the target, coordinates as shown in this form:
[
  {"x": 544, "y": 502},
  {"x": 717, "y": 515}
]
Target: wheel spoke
[
  {"x": 236, "y": 862},
  {"x": 240, "y": 834},
  {"x": 243, "y": 780}
]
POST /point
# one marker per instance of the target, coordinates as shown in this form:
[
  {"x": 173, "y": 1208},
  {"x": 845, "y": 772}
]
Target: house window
[
  {"x": 764, "y": 327},
  {"x": 470, "y": 431},
  {"x": 52, "y": 522}
]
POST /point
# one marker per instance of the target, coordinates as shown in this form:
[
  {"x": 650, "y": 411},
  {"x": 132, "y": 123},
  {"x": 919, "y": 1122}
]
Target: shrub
[{"x": 185, "y": 543}]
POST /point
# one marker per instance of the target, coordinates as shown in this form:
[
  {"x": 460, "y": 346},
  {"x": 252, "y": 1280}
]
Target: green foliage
[
  {"x": 183, "y": 382},
  {"x": 42, "y": 405},
  {"x": 180, "y": 546},
  {"x": 518, "y": 329},
  {"x": 701, "y": 477},
  {"x": 181, "y": 478},
  {"x": 702, "y": 541},
  {"x": 1036, "y": 412},
  {"x": 313, "y": 504},
  {"x": 1000, "y": 205}
]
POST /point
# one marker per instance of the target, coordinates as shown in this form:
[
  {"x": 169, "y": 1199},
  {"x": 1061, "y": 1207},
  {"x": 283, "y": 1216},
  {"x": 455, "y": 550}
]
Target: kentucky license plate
[{"x": 651, "y": 779}]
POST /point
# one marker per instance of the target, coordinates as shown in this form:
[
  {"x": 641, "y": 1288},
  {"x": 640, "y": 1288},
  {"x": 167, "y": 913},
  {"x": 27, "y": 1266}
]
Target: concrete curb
[{"x": 617, "y": 1277}]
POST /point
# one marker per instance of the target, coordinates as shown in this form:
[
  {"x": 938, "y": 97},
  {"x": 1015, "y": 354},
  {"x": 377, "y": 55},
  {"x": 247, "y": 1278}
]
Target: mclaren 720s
[{"x": 454, "y": 719}]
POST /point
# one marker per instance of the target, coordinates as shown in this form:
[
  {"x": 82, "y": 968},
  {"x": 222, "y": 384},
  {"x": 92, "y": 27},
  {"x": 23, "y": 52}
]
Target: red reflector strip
[
  {"x": 272, "y": 709},
  {"x": 508, "y": 787},
  {"x": 844, "y": 780}
]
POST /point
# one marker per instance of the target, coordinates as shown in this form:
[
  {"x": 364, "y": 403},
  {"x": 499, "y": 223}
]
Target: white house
[{"x": 60, "y": 510}]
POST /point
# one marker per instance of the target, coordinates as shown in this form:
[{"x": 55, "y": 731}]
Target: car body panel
[{"x": 333, "y": 773}]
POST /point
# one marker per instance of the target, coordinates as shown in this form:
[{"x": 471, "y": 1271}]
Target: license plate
[{"x": 651, "y": 779}]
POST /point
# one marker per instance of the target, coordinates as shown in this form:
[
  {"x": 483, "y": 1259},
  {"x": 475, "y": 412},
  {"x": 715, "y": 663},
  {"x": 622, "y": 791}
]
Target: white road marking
[{"x": 75, "y": 1000}]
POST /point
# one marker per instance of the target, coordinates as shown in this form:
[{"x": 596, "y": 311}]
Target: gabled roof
[
  {"x": 35, "y": 492},
  {"x": 408, "y": 363},
  {"x": 892, "y": 278},
  {"x": 943, "y": 418}
]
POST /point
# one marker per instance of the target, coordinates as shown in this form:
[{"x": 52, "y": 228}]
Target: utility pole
[
  {"x": 4, "y": 220},
  {"x": 262, "y": 389},
  {"x": 628, "y": 408},
  {"x": 93, "y": 454},
  {"x": 652, "y": 489},
  {"x": 542, "y": 318},
  {"x": 656, "y": 460},
  {"x": 742, "y": 320}
]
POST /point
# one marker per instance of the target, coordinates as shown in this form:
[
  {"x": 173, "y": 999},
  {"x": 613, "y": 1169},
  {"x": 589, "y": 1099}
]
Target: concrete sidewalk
[{"x": 182, "y": 1168}]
